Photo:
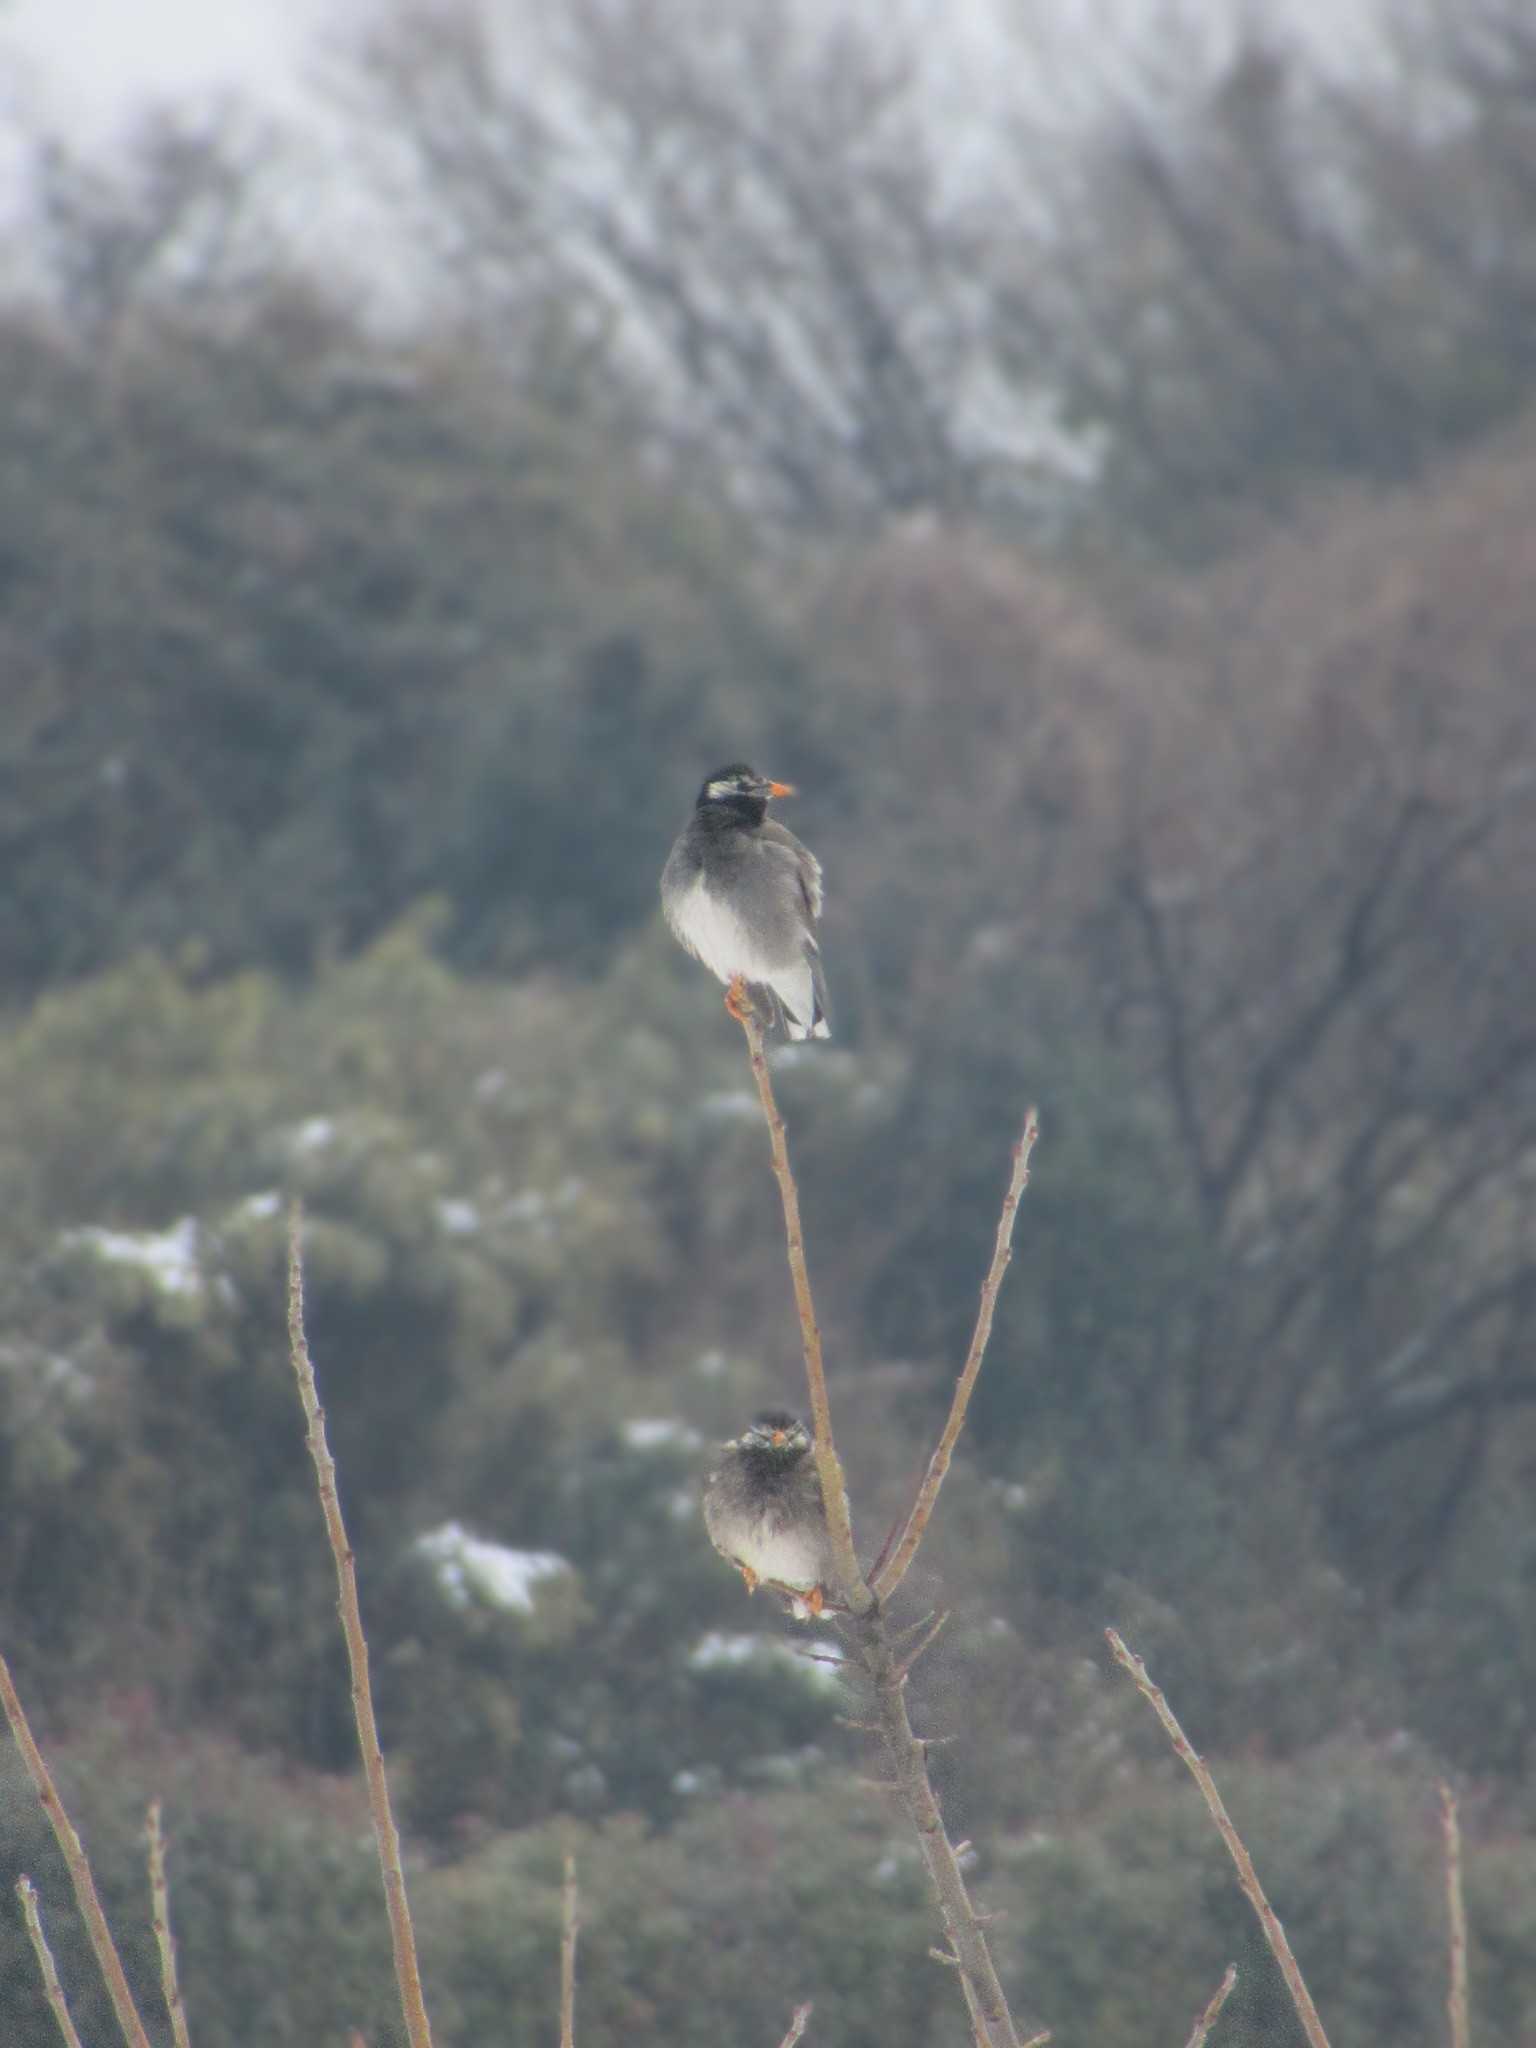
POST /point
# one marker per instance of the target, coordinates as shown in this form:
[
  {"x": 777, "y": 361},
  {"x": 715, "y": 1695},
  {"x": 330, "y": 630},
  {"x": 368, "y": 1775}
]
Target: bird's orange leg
[
  {"x": 750, "y": 1576},
  {"x": 815, "y": 1600},
  {"x": 736, "y": 998}
]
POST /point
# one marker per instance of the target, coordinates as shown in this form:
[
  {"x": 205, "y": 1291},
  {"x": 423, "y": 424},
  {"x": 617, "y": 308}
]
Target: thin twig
[
  {"x": 1456, "y": 1915},
  {"x": 1208, "y": 2018},
  {"x": 924, "y": 1644},
  {"x": 401, "y": 1933},
  {"x": 797, "y": 2022},
  {"x": 851, "y": 1588},
  {"x": 1247, "y": 1876},
  {"x": 79, "y": 1869},
  {"x": 891, "y": 1573},
  {"x": 569, "y": 1928},
  {"x": 164, "y": 1939},
  {"x": 45, "y": 1962}
]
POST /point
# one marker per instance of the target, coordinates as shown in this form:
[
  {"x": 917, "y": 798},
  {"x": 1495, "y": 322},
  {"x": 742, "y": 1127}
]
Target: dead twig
[
  {"x": 1456, "y": 2007},
  {"x": 889, "y": 1575},
  {"x": 904, "y": 1667},
  {"x": 45, "y": 1963},
  {"x": 401, "y": 1932},
  {"x": 797, "y": 2022},
  {"x": 79, "y": 1869},
  {"x": 1208, "y": 2018},
  {"x": 570, "y": 1926},
  {"x": 1247, "y": 1876},
  {"x": 161, "y": 1915}
]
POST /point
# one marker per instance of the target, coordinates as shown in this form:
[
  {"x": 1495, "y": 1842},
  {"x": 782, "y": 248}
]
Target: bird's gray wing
[{"x": 806, "y": 866}]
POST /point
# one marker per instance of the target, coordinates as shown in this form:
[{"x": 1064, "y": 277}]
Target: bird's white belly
[
  {"x": 791, "y": 1556},
  {"x": 711, "y": 930}
]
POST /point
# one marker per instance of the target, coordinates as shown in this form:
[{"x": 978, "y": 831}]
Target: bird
[
  {"x": 742, "y": 895},
  {"x": 764, "y": 1512}
]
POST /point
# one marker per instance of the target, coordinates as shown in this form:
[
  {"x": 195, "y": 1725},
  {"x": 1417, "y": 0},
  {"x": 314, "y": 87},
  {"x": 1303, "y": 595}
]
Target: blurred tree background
[{"x": 1116, "y": 508}]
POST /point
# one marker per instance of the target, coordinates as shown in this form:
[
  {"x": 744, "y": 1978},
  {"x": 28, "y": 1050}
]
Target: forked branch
[{"x": 906, "y": 1754}]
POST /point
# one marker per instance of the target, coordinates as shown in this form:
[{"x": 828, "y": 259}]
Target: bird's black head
[
  {"x": 738, "y": 794},
  {"x": 776, "y": 1433}
]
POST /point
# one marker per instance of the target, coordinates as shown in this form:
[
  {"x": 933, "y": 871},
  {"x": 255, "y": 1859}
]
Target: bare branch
[
  {"x": 851, "y": 1588},
  {"x": 75, "y": 1862},
  {"x": 1247, "y": 1876},
  {"x": 797, "y": 2022},
  {"x": 386, "y": 1835},
  {"x": 570, "y": 1926},
  {"x": 1456, "y": 1916},
  {"x": 904, "y": 1668},
  {"x": 1208, "y": 2018},
  {"x": 45, "y": 1962},
  {"x": 161, "y": 1914},
  {"x": 891, "y": 1574}
]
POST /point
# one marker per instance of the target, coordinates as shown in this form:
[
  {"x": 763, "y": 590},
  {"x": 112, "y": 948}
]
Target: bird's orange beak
[
  {"x": 778, "y": 1438},
  {"x": 781, "y": 789}
]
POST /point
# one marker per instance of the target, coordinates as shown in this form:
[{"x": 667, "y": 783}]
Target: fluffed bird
[
  {"x": 743, "y": 895},
  {"x": 764, "y": 1512}
]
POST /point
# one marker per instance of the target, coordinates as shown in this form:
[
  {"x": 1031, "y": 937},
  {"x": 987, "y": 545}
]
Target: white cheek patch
[{"x": 719, "y": 792}]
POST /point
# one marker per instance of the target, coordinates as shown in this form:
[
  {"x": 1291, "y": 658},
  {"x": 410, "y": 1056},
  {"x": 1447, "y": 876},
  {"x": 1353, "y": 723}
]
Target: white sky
[{"x": 91, "y": 62}]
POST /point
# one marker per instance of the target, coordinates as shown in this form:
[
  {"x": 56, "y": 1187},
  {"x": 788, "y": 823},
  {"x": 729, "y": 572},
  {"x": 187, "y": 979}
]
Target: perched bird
[
  {"x": 764, "y": 1512},
  {"x": 743, "y": 895}
]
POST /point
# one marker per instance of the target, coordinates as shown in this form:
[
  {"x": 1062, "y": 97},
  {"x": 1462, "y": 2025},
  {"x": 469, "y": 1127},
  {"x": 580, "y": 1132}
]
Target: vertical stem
[
  {"x": 161, "y": 1913},
  {"x": 965, "y": 1927},
  {"x": 401, "y": 1933},
  {"x": 569, "y": 1927},
  {"x": 852, "y": 1590},
  {"x": 1456, "y": 2008}
]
